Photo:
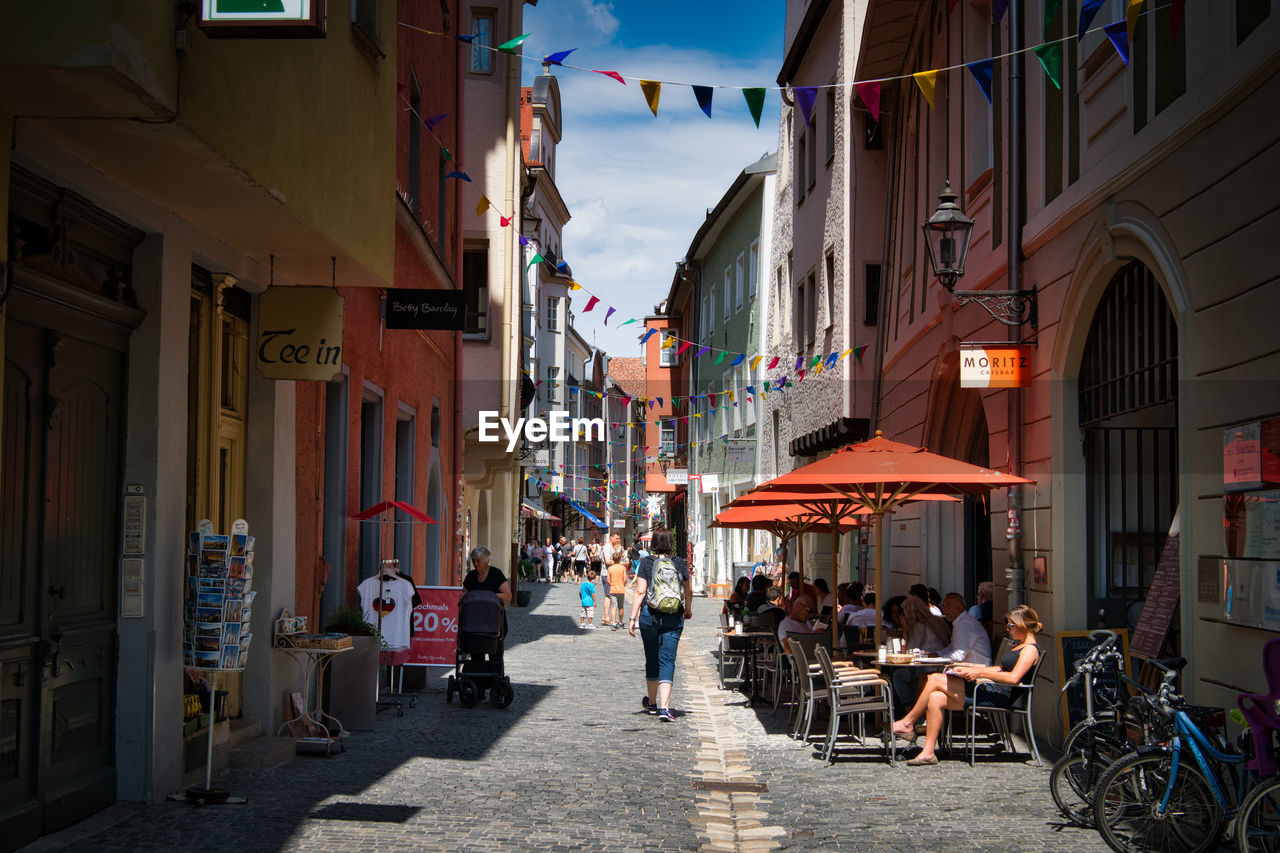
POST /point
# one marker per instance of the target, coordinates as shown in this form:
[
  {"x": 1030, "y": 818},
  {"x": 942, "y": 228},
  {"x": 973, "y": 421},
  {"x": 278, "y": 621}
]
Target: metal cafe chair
[{"x": 854, "y": 693}]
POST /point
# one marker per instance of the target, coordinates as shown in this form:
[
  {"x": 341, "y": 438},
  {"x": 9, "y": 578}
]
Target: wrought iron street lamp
[{"x": 947, "y": 235}]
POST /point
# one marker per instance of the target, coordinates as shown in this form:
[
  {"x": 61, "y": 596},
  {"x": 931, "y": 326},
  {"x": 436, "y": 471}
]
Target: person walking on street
[
  {"x": 663, "y": 600},
  {"x": 579, "y": 558},
  {"x": 587, "y": 598},
  {"x": 616, "y": 563}
]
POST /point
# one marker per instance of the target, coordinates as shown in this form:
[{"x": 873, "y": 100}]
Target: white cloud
[{"x": 638, "y": 187}]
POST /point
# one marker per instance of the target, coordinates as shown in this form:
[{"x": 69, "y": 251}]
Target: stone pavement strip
[{"x": 575, "y": 764}]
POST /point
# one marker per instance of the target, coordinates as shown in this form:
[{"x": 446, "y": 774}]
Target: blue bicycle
[{"x": 1158, "y": 799}]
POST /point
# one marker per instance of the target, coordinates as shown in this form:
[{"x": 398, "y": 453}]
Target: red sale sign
[{"x": 435, "y": 627}]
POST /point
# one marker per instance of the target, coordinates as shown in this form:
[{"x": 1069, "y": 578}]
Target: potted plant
[
  {"x": 528, "y": 574},
  {"x": 352, "y": 678},
  {"x": 350, "y": 620}
]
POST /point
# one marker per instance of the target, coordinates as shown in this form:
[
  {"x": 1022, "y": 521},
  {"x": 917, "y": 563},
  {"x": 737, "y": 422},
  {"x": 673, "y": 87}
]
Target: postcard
[
  {"x": 231, "y": 611},
  {"x": 230, "y": 658},
  {"x": 237, "y": 567},
  {"x": 206, "y": 658},
  {"x": 219, "y": 541},
  {"x": 209, "y": 599},
  {"x": 238, "y": 543},
  {"x": 213, "y": 555}
]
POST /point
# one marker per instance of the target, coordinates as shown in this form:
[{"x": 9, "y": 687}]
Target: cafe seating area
[{"x": 840, "y": 701}]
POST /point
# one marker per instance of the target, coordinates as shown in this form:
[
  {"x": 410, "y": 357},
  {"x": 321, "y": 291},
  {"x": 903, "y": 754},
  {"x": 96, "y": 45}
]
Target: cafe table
[{"x": 754, "y": 640}]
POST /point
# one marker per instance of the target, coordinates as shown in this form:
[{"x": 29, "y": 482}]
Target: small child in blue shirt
[{"x": 587, "y": 595}]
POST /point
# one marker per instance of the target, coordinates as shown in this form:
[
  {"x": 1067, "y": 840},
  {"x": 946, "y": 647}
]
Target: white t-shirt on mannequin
[{"x": 394, "y": 598}]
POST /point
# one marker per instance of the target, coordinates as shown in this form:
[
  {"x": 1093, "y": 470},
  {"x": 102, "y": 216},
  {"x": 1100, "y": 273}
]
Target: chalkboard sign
[
  {"x": 1072, "y": 647},
  {"x": 1162, "y": 600}
]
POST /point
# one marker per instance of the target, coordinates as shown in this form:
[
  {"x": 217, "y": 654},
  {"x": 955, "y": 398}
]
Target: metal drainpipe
[
  {"x": 513, "y": 293},
  {"x": 456, "y": 475},
  {"x": 1015, "y": 574},
  {"x": 883, "y": 307}
]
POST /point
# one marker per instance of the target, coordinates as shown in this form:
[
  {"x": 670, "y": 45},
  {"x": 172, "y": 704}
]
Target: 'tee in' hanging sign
[
  {"x": 995, "y": 367},
  {"x": 300, "y": 333}
]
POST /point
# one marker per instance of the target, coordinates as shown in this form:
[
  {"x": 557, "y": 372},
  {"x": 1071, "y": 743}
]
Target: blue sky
[{"x": 638, "y": 187}]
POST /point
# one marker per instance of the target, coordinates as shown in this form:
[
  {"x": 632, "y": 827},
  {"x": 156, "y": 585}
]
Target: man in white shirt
[
  {"x": 866, "y": 617},
  {"x": 969, "y": 640},
  {"x": 797, "y": 620}
]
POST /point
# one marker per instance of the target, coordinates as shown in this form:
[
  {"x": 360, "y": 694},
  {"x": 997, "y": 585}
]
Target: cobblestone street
[{"x": 575, "y": 764}]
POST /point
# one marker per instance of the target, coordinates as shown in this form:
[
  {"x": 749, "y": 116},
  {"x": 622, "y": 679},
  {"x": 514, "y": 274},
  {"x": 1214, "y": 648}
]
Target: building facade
[
  {"x": 142, "y": 232},
  {"x": 727, "y": 252},
  {"x": 1123, "y": 192},
  {"x": 493, "y": 269}
]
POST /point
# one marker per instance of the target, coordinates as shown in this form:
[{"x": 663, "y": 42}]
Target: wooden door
[{"x": 63, "y": 427}]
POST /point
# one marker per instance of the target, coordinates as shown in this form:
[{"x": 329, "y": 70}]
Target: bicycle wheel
[
  {"x": 1069, "y": 786},
  {"x": 1086, "y": 757},
  {"x": 1129, "y": 794},
  {"x": 1104, "y": 722},
  {"x": 1258, "y": 824}
]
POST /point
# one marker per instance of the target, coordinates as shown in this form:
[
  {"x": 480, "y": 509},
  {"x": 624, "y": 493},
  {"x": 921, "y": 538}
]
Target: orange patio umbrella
[
  {"x": 784, "y": 520},
  {"x": 881, "y": 475}
]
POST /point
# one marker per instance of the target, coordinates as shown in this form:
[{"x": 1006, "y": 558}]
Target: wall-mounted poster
[{"x": 263, "y": 18}]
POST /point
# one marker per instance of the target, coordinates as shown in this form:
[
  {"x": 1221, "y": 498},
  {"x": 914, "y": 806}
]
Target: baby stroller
[{"x": 477, "y": 665}]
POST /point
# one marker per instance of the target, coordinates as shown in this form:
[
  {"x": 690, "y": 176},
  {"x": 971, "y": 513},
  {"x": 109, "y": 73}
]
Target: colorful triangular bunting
[
  {"x": 926, "y": 80},
  {"x": 651, "y": 89},
  {"x": 703, "y": 96},
  {"x": 981, "y": 71},
  {"x": 755, "y": 102}
]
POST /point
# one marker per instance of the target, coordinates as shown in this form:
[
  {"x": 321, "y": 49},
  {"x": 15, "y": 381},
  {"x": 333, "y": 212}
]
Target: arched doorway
[
  {"x": 1128, "y": 395},
  {"x": 961, "y": 557}
]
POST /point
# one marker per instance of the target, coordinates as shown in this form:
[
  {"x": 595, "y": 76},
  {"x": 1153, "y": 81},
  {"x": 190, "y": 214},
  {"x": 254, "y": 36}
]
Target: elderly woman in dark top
[
  {"x": 954, "y": 689},
  {"x": 484, "y": 576}
]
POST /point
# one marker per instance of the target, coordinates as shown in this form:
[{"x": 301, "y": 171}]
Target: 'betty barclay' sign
[
  {"x": 995, "y": 367},
  {"x": 426, "y": 309},
  {"x": 300, "y": 333}
]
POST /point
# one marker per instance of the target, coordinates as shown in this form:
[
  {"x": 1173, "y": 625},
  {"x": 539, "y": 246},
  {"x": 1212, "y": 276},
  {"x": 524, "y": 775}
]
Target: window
[
  {"x": 797, "y": 314},
  {"x": 475, "y": 286},
  {"x": 801, "y": 159},
  {"x": 831, "y": 124},
  {"x": 753, "y": 271},
  {"x": 777, "y": 303},
  {"x": 364, "y": 14},
  {"x": 481, "y": 53},
  {"x": 728, "y": 291},
  {"x": 711, "y": 315},
  {"x": 750, "y": 401},
  {"x": 740, "y": 280},
  {"x": 976, "y": 112},
  {"x": 415, "y": 144},
  {"x": 702, "y": 322},
  {"x": 872, "y": 137},
  {"x": 811, "y": 308},
  {"x": 553, "y": 385},
  {"x": 831, "y": 288},
  {"x": 667, "y": 357},
  {"x": 740, "y": 397},
  {"x": 667, "y": 439},
  {"x": 811, "y": 171},
  {"x": 871, "y": 296},
  {"x": 553, "y": 314},
  {"x": 1249, "y": 16}
]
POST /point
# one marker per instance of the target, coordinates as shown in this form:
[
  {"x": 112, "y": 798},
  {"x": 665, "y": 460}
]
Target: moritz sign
[{"x": 995, "y": 367}]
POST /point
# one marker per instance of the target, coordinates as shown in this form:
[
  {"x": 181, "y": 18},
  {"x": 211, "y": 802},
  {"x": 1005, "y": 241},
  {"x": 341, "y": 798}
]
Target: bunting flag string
[
  {"x": 982, "y": 71},
  {"x": 868, "y": 90},
  {"x": 1118, "y": 33}
]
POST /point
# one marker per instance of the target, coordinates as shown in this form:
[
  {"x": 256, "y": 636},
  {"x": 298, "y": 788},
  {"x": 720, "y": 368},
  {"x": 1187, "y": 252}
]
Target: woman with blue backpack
[{"x": 663, "y": 600}]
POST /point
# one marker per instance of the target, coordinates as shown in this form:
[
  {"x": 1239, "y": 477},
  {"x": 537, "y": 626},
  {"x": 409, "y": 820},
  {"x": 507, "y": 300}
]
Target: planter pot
[
  {"x": 523, "y": 597},
  {"x": 351, "y": 684}
]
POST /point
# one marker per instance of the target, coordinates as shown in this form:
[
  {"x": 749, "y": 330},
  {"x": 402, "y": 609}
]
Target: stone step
[{"x": 262, "y": 753}]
